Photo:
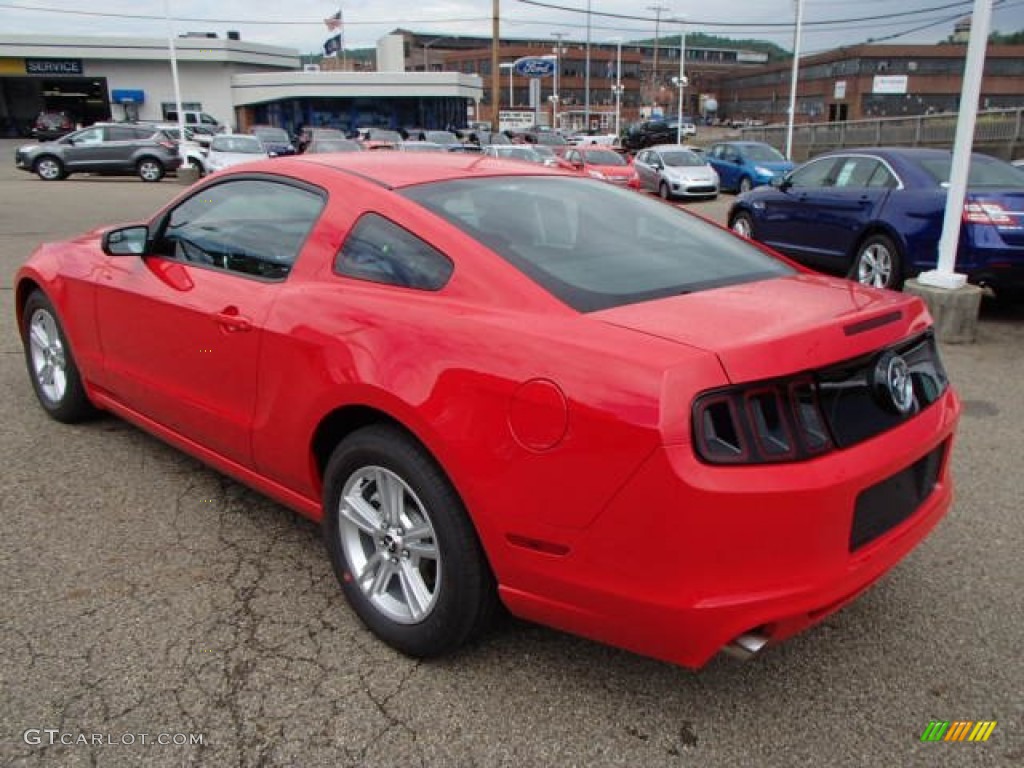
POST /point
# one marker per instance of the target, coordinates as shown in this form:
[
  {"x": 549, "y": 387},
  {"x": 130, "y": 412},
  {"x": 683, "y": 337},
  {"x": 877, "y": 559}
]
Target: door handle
[{"x": 231, "y": 321}]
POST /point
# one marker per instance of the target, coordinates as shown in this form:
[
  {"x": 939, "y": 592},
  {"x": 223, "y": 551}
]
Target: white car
[
  {"x": 229, "y": 149},
  {"x": 675, "y": 170}
]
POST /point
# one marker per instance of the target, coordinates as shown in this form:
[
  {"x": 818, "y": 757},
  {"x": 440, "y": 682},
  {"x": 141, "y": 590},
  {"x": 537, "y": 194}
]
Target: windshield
[
  {"x": 516, "y": 152},
  {"x": 246, "y": 145},
  {"x": 763, "y": 153},
  {"x": 271, "y": 134},
  {"x": 682, "y": 159},
  {"x": 603, "y": 157},
  {"x": 593, "y": 245},
  {"x": 985, "y": 172},
  {"x": 421, "y": 146},
  {"x": 544, "y": 151},
  {"x": 551, "y": 139}
]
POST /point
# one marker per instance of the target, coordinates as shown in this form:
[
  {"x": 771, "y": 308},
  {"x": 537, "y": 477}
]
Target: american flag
[{"x": 333, "y": 22}]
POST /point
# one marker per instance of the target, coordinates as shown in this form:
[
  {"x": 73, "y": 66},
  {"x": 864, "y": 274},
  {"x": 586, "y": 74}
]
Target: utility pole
[
  {"x": 586, "y": 78},
  {"x": 657, "y": 41}
]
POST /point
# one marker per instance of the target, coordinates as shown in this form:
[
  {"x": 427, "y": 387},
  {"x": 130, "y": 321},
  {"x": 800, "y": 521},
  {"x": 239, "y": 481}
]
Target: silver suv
[{"x": 113, "y": 149}]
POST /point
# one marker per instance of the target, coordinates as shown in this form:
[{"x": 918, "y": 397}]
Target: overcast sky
[{"x": 299, "y": 23}]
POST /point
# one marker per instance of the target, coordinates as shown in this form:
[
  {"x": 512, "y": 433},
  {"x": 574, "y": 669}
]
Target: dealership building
[{"x": 238, "y": 82}]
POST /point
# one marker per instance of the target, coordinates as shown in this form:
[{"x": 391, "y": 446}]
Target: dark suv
[
  {"x": 52, "y": 125},
  {"x": 649, "y": 133},
  {"x": 110, "y": 149}
]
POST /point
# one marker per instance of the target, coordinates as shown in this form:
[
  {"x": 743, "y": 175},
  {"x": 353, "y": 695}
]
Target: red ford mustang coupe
[{"x": 497, "y": 382}]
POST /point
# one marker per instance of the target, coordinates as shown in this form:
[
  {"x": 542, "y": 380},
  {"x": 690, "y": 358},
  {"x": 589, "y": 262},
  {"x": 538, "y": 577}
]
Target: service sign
[
  {"x": 53, "y": 66},
  {"x": 534, "y": 66}
]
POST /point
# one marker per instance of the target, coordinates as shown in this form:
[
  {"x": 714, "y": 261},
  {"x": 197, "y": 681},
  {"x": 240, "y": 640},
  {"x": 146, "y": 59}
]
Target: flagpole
[{"x": 341, "y": 18}]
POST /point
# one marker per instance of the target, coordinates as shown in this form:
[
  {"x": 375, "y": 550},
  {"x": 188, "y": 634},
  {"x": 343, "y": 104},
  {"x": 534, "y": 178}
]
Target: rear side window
[
  {"x": 985, "y": 172},
  {"x": 380, "y": 251}
]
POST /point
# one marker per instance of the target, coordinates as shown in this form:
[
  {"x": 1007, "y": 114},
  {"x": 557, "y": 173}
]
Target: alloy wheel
[
  {"x": 49, "y": 364},
  {"x": 389, "y": 541}
]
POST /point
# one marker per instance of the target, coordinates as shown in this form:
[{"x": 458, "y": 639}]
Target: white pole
[
  {"x": 558, "y": 66},
  {"x": 586, "y": 77},
  {"x": 618, "y": 87},
  {"x": 174, "y": 80},
  {"x": 682, "y": 85},
  {"x": 793, "y": 78},
  {"x": 944, "y": 276}
]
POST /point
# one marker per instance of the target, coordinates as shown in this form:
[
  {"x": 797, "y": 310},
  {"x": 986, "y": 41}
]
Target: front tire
[
  {"x": 664, "y": 192},
  {"x": 877, "y": 263},
  {"x": 49, "y": 168},
  {"x": 745, "y": 185},
  {"x": 743, "y": 225},
  {"x": 402, "y": 546},
  {"x": 51, "y": 364},
  {"x": 150, "y": 169}
]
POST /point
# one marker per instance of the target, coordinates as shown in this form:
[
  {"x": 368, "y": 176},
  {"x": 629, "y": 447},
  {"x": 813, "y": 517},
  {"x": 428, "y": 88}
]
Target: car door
[
  {"x": 787, "y": 216},
  {"x": 833, "y": 216},
  {"x": 84, "y": 151},
  {"x": 181, "y": 327}
]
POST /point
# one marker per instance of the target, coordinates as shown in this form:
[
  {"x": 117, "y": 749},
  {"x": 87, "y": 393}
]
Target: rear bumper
[{"x": 689, "y": 557}]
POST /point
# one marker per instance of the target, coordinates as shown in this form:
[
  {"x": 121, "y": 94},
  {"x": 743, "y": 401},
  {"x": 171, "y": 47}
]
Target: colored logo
[
  {"x": 958, "y": 730},
  {"x": 534, "y": 66}
]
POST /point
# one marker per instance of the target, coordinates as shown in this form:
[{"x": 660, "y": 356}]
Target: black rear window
[
  {"x": 594, "y": 245},
  {"x": 985, "y": 172}
]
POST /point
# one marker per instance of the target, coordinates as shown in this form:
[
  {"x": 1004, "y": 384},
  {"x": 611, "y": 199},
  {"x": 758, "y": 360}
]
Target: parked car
[
  {"x": 675, "y": 170},
  {"x": 230, "y": 149},
  {"x": 514, "y": 152},
  {"x": 542, "y": 138},
  {"x": 715, "y": 470},
  {"x": 876, "y": 215},
  {"x": 484, "y": 137},
  {"x": 197, "y": 120},
  {"x": 599, "y": 163},
  {"x": 275, "y": 140},
  {"x": 420, "y": 146},
  {"x": 647, "y": 134},
  {"x": 322, "y": 145},
  {"x": 379, "y": 138},
  {"x": 308, "y": 135},
  {"x": 51, "y": 125},
  {"x": 1019, "y": 163},
  {"x": 743, "y": 165},
  {"x": 193, "y": 152},
  {"x": 113, "y": 149}
]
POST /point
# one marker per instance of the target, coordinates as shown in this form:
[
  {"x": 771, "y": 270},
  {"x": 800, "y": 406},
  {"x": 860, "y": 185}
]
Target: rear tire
[
  {"x": 878, "y": 263},
  {"x": 402, "y": 545},
  {"x": 51, "y": 364},
  {"x": 150, "y": 169}
]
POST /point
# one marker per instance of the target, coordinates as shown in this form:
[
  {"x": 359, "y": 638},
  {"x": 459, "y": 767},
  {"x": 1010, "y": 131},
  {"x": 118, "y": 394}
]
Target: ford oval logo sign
[{"x": 534, "y": 66}]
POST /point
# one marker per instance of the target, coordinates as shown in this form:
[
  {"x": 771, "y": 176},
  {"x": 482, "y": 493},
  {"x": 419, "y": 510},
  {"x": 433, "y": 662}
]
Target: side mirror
[
  {"x": 781, "y": 182},
  {"x": 126, "y": 241}
]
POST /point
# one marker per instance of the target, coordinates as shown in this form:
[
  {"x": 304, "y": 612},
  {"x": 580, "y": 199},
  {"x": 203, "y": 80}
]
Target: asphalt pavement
[{"x": 148, "y": 599}]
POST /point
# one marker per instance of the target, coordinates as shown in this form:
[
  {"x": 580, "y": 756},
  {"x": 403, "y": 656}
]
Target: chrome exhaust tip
[{"x": 746, "y": 646}]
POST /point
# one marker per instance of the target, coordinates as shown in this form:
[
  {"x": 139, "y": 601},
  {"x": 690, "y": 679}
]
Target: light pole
[
  {"x": 557, "y": 95},
  {"x": 681, "y": 82},
  {"x": 510, "y": 66},
  {"x": 793, "y": 78},
  {"x": 657, "y": 42},
  {"x": 618, "y": 86},
  {"x": 426, "y": 64}
]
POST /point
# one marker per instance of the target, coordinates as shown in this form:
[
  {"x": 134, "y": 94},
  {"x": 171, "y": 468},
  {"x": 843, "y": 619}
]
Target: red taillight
[
  {"x": 762, "y": 423},
  {"x": 981, "y": 212},
  {"x": 171, "y": 145},
  {"x": 634, "y": 181}
]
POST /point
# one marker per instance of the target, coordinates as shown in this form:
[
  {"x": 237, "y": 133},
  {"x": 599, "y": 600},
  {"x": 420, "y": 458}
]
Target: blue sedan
[
  {"x": 743, "y": 165},
  {"x": 876, "y": 216}
]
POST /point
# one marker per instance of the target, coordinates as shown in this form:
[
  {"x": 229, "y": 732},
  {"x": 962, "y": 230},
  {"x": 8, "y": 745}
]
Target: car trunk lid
[{"x": 778, "y": 327}]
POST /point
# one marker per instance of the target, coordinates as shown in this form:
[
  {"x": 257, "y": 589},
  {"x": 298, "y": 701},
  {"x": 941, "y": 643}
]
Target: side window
[
  {"x": 380, "y": 251},
  {"x": 120, "y": 133},
  {"x": 854, "y": 172},
  {"x": 817, "y": 173},
  {"x": 88, "y": 137},
  {"x": 643, "y": 157},
  {"x": 250, "y": 226},
  {"x": 883, "y": 177}
]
